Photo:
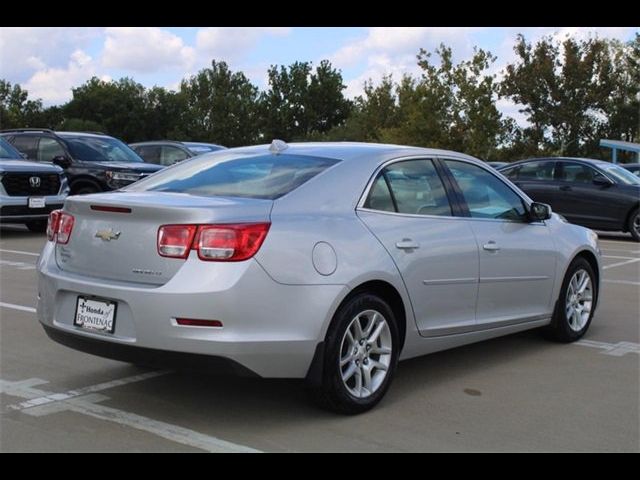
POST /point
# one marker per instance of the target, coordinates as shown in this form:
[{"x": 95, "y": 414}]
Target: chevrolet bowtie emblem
[{"x": 107, "y": 235}]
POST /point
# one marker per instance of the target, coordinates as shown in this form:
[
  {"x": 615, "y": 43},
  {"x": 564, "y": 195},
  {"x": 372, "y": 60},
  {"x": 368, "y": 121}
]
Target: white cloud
[
  {"x": 26, "y": 50},
  {"x": 145, "y": 50},
  {"x": 53, "y": 85},
  {"x": 232, "y": 43}
]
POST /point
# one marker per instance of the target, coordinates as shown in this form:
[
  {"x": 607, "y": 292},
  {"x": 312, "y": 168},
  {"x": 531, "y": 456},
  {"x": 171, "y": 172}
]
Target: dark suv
[{"x": 93, "y": 162}]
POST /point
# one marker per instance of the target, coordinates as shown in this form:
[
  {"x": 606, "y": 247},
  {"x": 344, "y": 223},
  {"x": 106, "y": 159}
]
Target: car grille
[{"x": 22, "y": 185}]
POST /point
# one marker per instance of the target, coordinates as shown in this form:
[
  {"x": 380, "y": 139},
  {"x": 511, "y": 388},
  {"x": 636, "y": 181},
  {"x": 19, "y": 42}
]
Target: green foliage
[{"x": 16, "y": 110}]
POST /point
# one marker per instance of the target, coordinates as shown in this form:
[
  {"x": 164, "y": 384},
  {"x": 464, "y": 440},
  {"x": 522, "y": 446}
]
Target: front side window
[
  {"x": 411, "y": 186},
  {"x": 150, "y": 153},
  {"x": 171, "y": 155},
  {"x": 48, "y": 149},
  {"x": 485, "y": 194},
  {"x": 577, "y": 173},
  {"x": 27, "y": 144},
  {"x": 263, "y": 177}
]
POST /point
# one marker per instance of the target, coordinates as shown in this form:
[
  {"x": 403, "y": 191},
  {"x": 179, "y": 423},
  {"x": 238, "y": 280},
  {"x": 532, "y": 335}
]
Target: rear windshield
[{"x": 227, "y": 175}]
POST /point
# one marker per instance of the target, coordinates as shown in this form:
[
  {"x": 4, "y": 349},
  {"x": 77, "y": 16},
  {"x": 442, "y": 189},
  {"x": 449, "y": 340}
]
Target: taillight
[
  {"x": 174, "y": 241},
  {"x": 230, "y": 243},
  {"x": 221, "y": 243},
  {"x": 64, "y": 228},
  {"x": 59, "y": 227},
  {"x": 52, "y": 224}
]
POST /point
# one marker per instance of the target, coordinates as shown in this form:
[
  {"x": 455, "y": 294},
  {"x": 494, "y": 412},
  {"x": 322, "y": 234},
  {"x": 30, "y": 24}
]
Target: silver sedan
[{"x": 324, "y": 261}]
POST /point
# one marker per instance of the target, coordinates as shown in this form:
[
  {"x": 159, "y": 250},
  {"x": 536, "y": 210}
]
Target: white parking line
[
  {"x": 17, "y": 307},
  {"x": 17, "y": 265},
  {"x": 20, "y": 252},
  {"x": 616, "y": 256},
  {"x": 615, "y": 349},
  {"x": 622, "y": 282},
  {"x": 619, "y": 264},
  {"x": 619, "y": 250},
  {"x": 45, "y": 403}
]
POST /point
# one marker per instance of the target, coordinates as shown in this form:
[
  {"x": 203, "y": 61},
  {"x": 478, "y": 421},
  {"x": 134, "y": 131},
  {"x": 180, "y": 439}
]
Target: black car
[
  {"x": 632, "y": 167},
  {"x": 592, "y": 193},
  {"x": 497, "y": 165},
  {"x": 168, "y": 152},
  {"x": 93, "y": 162}
]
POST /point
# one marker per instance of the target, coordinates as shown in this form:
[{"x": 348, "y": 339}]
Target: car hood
[
  {"x": 128, "y": 166},
  {"x": 27, "y": 166}
]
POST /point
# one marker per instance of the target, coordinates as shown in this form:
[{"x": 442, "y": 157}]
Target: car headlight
[{"x": 122, "y": 176}]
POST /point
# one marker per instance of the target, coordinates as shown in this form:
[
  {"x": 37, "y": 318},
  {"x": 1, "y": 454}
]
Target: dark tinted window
[
  {"x": 27, "y": 144},
  {"x": 266, "y": 177},
  {"x": 543, "y": 171},
  {"x": 149, "y": 153},
  {"x": 485, "y": 194},
  {"x": 577, "y": 173}
]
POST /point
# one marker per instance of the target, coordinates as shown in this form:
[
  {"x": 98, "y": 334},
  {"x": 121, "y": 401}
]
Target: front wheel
[
  {"x": 634, "y": 225},
  {"x": 576, "y": 304},
  {"x": 361, "y": 355}
]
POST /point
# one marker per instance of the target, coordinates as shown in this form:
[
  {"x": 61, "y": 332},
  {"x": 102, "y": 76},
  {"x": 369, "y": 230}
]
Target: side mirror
[
  {"x": 62, "y": 161},
  {"x": 539, "y": 212},
  {"x": 601, "y": 180}
]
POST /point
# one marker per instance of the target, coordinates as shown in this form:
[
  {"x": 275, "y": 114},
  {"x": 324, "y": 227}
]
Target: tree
[
  {"x": 16, "y": 110},
  {"x": 220, "y": 106},
  {"x": 302, "y": 103},
  {"x": 566, "y": 89}
]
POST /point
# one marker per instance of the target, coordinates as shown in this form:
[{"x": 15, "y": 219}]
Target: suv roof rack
[{"x": 19, "y": 130}]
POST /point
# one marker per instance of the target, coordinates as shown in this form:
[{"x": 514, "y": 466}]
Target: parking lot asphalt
[{"x": 516, "y": 393}]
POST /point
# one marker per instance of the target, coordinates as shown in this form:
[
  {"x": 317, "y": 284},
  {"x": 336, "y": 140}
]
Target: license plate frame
[
  {"x": 37, "y": 202},
  {"x": 92, "y": 322}
]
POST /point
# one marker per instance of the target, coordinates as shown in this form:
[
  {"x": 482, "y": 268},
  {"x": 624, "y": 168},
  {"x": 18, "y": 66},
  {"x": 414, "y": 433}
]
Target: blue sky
[{"x": 50, "y": 61}]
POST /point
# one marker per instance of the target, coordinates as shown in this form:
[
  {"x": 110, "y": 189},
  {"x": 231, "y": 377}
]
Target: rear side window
[
  {"x": 27, "y": 144},
  {"x": 411, "y": 186},
  {"x": 48, "y": 149},
  {"x": 150, "y": 153},
  {"x": 264, "y": 177},
  {"x": 171, "y": 155}
]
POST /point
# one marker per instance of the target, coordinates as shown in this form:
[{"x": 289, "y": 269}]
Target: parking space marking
[
  {"x": 17, "y": 265},
  {"x": 20, "y": 252},
  {"x": 619, "y": 264},
  {"x": 619, "y": 250},
  {"x": 616, "y": 256},
  {"x": 615, "y": 349},
  {"x": 46, "y": 403},
  {"x": 622, "y": 282},
  {"x": 17, "y": 307}
]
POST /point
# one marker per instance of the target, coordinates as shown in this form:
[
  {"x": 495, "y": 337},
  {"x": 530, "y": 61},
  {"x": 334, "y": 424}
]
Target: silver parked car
[{"x": 323, "y": 261}]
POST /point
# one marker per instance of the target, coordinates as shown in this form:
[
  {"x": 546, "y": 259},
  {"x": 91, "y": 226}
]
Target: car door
[
  {"x": 593, "y": 205},
  {"x": 517, "y": 257},
  {"x": 411, "y": 213}
]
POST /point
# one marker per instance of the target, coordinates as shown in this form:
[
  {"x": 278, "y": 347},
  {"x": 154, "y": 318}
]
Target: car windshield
[
  {"x": 100, "y": 149},
  {"x": 230, "y": 175},
  {"x": 7, "y": 151},
  {"x": 622, "y": 175}
]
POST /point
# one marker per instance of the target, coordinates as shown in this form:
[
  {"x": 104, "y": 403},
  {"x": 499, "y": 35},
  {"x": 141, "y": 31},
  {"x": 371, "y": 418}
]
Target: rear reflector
[
  {"x": 52, "y": 225},
  {"x": 174, "y": 241},
  {"x": 191, "y": 322},
  {"x": 104, "y": 208}
]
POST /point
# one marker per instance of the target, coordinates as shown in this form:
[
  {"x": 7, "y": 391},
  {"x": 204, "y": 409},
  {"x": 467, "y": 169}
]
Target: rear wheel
[
  {"x": 634, "y": 225},
  {"x": 576, "y": 305},
  {"x": 85, "y": 188},
  {"x": 361, "y": 355},
  {"x": 37, "y": 226}
]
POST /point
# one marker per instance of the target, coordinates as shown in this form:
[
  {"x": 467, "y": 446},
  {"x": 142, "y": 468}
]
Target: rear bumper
[{"x": 268, "y": 328}]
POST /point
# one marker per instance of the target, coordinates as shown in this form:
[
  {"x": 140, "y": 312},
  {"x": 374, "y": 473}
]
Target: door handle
[
  {"x": 565, "y": 188},
  {"x": 407, "y": 244},
  {"x": 491, "y": 246}
]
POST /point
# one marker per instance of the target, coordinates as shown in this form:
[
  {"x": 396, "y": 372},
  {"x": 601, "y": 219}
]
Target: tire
[
  {"x": 85, "y": 188},
  {"x": 37, "y": 226},
  {"x": 569, "y": 323},
  {"x": 634, "y": 225},
  {"x": 373, "y": 356}
]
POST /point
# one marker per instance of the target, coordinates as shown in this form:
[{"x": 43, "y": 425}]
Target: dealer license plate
[{"x": 95, "y": 314}]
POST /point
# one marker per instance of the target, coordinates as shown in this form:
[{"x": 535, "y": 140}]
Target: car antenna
[{"x": 278, "y": 146}]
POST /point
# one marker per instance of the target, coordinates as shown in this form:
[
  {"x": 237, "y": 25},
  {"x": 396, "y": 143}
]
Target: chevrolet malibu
[{"x": 325, "y": 262}]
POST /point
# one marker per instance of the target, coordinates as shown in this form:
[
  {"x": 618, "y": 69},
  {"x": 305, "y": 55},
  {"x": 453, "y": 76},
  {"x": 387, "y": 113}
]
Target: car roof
[
  {"x": 591, "y": 161},
  {"x": 82, "y": 134},
  {"x": 352, "y": 151},
  {"x": 156, "y": 142}
]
